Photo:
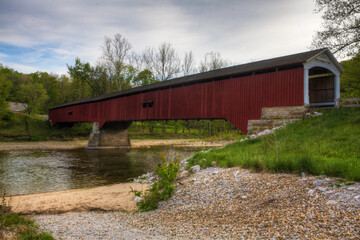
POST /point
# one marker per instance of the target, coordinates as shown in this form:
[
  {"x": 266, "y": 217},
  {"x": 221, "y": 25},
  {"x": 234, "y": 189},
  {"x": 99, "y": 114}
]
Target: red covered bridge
[{"x": 236, "y": 93}]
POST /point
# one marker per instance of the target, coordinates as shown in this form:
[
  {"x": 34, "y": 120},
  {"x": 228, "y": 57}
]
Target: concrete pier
[{"x": 111, "y": 135}]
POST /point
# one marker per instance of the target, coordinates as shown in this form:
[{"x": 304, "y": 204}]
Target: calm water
[{"x": 23, "y": 172}]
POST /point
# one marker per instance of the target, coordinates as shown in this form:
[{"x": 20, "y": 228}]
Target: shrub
[{"x": 163, "y": 189}]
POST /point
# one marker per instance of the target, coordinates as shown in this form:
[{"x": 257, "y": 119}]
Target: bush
[{"x": 163, "y": 189}]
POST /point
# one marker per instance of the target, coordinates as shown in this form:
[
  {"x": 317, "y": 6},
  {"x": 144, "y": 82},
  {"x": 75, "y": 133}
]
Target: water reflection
[{"x": 23, "y": 172}]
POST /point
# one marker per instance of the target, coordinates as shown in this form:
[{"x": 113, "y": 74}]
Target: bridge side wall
[{"x": 237, "y": 100}]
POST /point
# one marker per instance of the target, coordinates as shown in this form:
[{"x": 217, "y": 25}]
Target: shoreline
[
  {"x": 116, "y": 197},
  {"x": 135, "y": 143}
]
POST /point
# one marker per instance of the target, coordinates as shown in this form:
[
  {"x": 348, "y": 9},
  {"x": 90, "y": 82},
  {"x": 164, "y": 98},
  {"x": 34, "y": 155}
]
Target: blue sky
[{"x": 45, "y": 35}]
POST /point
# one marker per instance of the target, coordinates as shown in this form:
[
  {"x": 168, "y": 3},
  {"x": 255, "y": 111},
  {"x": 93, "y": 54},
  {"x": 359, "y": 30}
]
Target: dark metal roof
[{"x": 288, "y": 60}]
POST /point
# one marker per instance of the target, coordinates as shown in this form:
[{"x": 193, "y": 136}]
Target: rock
[
  {"x": 351, "y": 188},
  {"x": 311, "y": 192},
  {"x": 322, "y": 189},
  {"x": 244, "y": 197},
  {"x": 332, "y": 202},
  {"x": 183, "y": 175},
  {"x": 195, "y": 169},
  {"x": 137, "y": 199},
  {"x": 328, "y": 180},
  {"x": 320, "y": 182}
]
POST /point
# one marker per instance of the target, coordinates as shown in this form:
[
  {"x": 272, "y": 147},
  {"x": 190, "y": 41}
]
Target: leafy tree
[
  {"x": 144, "y": 77},
  {"x": 163, "y": 62},
  {"x": 80, "y": 74},
  {"x": 5, "y": 86},
  {"x": 34, "y": 95},
  {"x": 50, "y": 84},
  {"x": 350, "y": 78},
  {"x": 341, "y": 25},
  {"x": 212, "y": 61},
  {"x": 99, "y": 81},
  {"x": 64, "y": 90}
]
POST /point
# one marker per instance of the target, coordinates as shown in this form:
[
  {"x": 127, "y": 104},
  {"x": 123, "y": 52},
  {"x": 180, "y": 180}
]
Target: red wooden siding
[{"x": 237, "y": 100}]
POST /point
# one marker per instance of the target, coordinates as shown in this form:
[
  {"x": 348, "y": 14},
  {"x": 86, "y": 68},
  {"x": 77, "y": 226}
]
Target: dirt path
[
  {"x": 59, "y": 145},
  {"x": 107, "y": 198}
]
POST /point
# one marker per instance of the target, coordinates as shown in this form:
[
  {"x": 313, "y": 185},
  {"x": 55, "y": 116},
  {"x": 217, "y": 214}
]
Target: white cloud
[{"x": 240, "y": 30}]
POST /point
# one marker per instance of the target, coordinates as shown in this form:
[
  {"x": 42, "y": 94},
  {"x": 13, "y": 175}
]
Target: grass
[{"x": 328, "y": 144}]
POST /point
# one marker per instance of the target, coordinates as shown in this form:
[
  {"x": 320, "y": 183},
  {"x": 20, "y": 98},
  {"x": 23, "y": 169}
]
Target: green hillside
[
  {"x": 328, "y": 144},
  {"x": 25, "y": 127}
]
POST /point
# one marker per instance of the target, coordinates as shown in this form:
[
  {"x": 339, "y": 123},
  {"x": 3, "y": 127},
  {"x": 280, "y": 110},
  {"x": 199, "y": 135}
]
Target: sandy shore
[
  {"x": 107, "y": 198},
  {"x": 59, "y": 145}
]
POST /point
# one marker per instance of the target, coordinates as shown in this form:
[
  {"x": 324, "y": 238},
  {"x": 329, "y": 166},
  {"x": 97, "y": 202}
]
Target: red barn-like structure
[{"x": 236, "y": 93}]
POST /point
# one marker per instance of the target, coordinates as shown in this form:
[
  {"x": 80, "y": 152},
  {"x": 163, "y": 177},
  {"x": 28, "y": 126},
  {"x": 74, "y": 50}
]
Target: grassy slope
[{"x": 329, "y": 144}]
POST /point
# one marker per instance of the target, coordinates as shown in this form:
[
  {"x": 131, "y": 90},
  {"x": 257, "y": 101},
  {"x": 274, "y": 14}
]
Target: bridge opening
[{"x": 321, "y": 87}]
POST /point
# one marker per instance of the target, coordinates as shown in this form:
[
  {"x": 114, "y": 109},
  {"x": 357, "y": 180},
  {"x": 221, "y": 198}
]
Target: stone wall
[{"x": 272, "y": 117}]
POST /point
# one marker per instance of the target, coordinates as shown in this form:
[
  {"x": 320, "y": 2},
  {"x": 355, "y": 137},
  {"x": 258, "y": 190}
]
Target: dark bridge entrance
[{"x": 236, "y": 94}]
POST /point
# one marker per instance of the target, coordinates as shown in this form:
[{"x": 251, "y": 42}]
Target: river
[{"x": 35, "y": 171}]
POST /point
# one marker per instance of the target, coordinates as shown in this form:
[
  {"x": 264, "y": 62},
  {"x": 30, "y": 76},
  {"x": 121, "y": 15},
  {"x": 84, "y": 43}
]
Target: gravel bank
[{"x": 229, "y": 204}]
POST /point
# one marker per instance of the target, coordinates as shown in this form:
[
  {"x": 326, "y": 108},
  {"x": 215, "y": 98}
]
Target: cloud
[{"x": 50, "y": 34}]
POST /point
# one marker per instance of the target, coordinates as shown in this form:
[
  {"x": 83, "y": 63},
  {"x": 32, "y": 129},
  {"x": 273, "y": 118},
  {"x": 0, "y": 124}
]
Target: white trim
[
  {"x": 306, "y": 86},
  {"x": 331, "y": 56},
  {"x": 324, "y": 60}
]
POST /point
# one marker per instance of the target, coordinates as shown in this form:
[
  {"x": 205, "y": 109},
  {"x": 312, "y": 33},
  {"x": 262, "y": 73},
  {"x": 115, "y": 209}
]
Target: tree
[
  {"x": 80, "y": 74},
  {"x": 163, "y": 62},
  {"x": 50, "y": 84},
  {"x": 350, "y": 78},
  {"x": 33, "y": 94},
  {"x": 115, "y": 53},
  {"x": 212, "y": 61},
  {"x": 144, "y": 77},
  {"x": 188, "y": 65},
  {"x": 5, "y": 86},
  {"x": 341, "y": 25},
  {"x": 64, "y": 90}
]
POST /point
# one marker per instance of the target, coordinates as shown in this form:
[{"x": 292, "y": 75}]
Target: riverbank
[
  {"x": 115, "y": 197},
  {"x": 135, "y": 143},
  {"x": 232, "y": 203}
]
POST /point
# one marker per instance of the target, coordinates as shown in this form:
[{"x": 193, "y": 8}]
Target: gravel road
[{"x": 230, "y": 203}]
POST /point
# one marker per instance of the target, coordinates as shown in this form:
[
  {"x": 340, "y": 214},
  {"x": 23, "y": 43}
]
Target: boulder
[{"x": 195, "y": 169}]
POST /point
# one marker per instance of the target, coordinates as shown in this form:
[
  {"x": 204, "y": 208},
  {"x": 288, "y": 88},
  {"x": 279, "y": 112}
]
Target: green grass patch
[{"x": 328, "y": 144}]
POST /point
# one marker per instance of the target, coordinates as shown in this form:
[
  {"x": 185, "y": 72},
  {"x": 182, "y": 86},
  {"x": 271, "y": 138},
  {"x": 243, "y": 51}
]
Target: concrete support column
[{"x": 111, "y": 135}]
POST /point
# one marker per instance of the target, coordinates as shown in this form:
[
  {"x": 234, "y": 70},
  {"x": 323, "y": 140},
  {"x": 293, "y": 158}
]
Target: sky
[{"x": 46, "y": 35}]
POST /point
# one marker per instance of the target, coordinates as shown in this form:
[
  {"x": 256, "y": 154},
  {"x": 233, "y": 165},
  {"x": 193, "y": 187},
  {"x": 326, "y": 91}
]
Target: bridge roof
[{"x": 284, "y": 61}]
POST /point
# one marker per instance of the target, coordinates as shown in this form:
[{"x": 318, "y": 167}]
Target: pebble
[{"x": 211, "y": 205}]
